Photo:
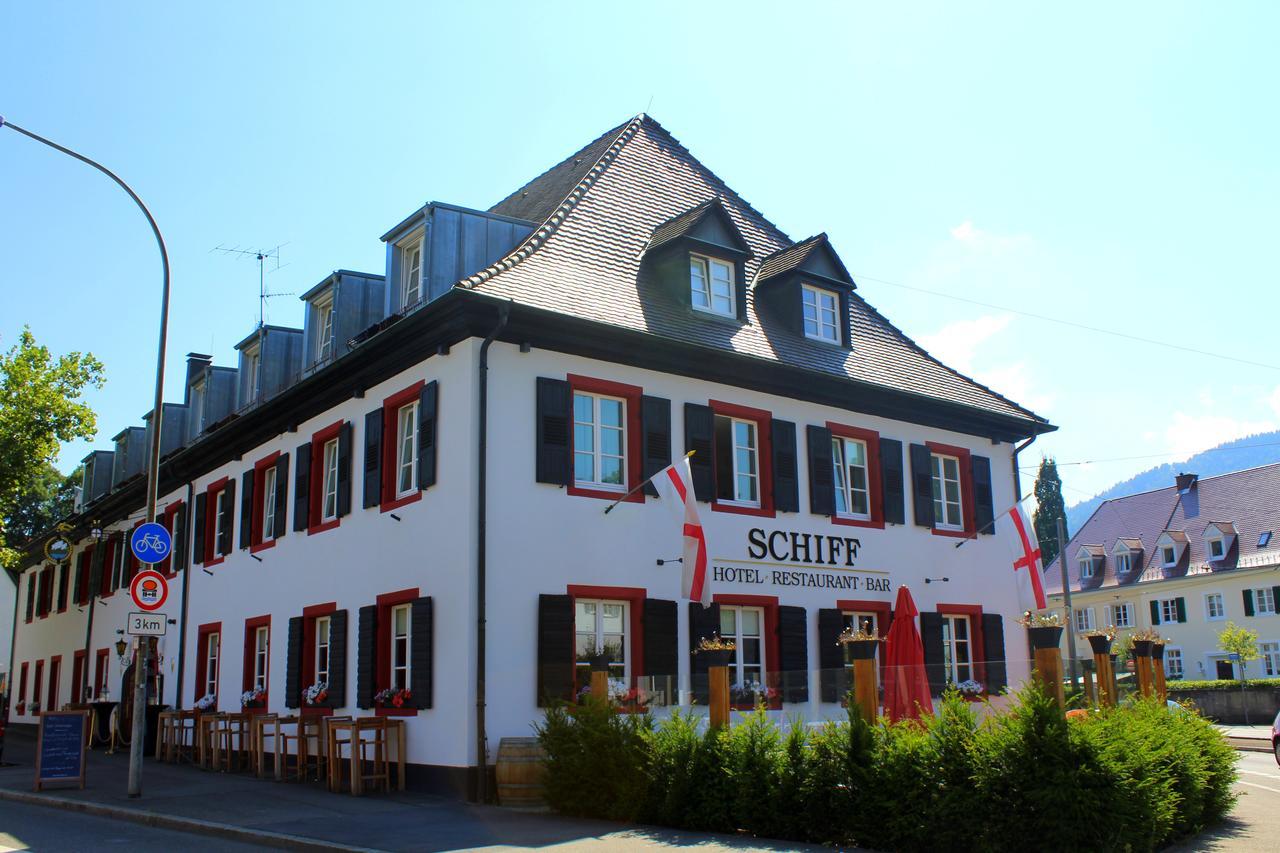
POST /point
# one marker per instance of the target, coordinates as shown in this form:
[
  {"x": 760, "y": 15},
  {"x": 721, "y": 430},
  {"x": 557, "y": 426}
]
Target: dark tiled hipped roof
[
  {"x": 1250, "y": 498},
  {"x": 785, "y": 260},
  {"x": 599, "y": 210}
]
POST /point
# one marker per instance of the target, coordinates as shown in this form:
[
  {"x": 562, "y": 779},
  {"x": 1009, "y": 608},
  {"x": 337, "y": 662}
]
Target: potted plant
[
  {"x": 752, "y": 693},
  {"x": 858, "y": 643},
  {"x": 1100, "y": 639},
  {"x": 716, "y": 651},
  {"x": 392, "y": 698},
  {"x": 255, "y": 698},
  {"x": 1044, "y": 629},
  {"x": 1141, "y": 642},
  {"x": 316, "y": 695},
  {"x": 207, "y": 701},
  {"x": 600, "y": 658},
  {"x": 971, "y": 690}
]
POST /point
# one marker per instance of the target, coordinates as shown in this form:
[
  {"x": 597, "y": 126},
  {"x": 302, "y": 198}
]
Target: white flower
[{"x": 206, "y": 701}]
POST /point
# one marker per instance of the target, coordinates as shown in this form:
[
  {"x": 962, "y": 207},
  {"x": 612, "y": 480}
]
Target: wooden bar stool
[
  {"x": 369, "y": 747},
  {"x": 232, "y": 734},
  {"x": 206, "y": 739},
  {"x": 261, "y": 727}
]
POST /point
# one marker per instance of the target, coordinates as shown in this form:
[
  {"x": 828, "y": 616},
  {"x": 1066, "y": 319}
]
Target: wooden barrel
[{"x": 519, "y": 771}]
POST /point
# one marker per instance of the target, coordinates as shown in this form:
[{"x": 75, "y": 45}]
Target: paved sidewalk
[
  {"x": 1247, "y": 738},
  {"x": 240, "y": 807}
]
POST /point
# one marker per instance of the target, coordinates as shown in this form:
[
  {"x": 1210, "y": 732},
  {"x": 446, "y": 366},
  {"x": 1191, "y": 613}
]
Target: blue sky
[{"x": 1110, "y": 164}]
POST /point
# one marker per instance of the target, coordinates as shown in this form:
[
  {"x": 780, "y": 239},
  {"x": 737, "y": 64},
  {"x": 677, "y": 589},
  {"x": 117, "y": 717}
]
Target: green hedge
[
  {"x": 1223, "y": 684},
  {"x": 1132, "y": 778}
]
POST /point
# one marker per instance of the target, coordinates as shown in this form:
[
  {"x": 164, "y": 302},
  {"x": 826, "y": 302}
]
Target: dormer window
[
  {"x": 1086, "y": 568},
  {"x": 1216, "y": 551},
  {"x": 411, "y": 282},
  {"x": 251, "y": 373},
  {"x": 821, "y": 309},
  {"x": 1168, "y": 556},
  {"x": 711, "y": 285},
  {"x": 1219, "y": 536},
  {"x": 197, "y": 407},
  {"x": 324, "y": 329}
]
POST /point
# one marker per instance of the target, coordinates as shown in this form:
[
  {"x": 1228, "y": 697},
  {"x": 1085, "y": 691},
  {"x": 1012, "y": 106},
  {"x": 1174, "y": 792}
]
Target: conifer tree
[{"x": 1051, "y": 508}]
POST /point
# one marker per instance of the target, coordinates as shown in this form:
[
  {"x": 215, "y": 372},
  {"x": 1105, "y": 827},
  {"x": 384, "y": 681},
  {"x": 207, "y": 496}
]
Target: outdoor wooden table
[{"x": 351, "y": 727}]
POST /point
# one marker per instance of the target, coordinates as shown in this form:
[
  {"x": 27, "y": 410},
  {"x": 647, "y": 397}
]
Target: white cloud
[
  {"x": 977, "y": 239},
  {"x": 1188, "y": 434},
  {"x": 955, "y": 343},
  {"x": 1275, "y": 401}
]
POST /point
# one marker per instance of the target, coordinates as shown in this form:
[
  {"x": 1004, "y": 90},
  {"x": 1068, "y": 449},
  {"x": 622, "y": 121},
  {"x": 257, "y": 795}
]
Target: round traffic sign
[
  {"x": 149, "y": 590},
  {"x": 150, "y": 542}
]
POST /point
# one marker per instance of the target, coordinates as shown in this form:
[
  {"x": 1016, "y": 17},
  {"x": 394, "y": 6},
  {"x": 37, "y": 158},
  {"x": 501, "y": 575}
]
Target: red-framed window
[
  {"x": 170, "y": 520},
  {"x": 325, "y": 480},
  {"x": 856, "y": 466},
  {"x": 214, "y": 495},
  {"x": 64, "y": 583},
  {"x": 742, "y": 430},
  {"x": 393, "y": 443},
  {"x": 22, "y": 688},
  {"x": 114, "y": 548},
  {"x": 33, "y": 581},
  {"x": 256, "y": 672},
  {"x": 601, "y": 434},
  {"x": 972, "y": 614},
  {"x": 770, "y": 648},
  {"x": 44, "y": 598},
  {"x": 77, "y": 676},
  {"x": 964, "y": 473},
  {"x": 209, "y": 661},
  {"x": 100, "y": 672},
  {"x": 590, "y": 606},
  {"x": 317, "y": 652},
  {"x": 394, "y": 651},
  {"x": 55, "y": 681},
  {"x": 260, "y": 538},
  {"x": 82, "y": 587},
  {"x": 38, "y": 685}
]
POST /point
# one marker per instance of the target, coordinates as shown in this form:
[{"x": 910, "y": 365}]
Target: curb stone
[{"x": 230, "y": 832}]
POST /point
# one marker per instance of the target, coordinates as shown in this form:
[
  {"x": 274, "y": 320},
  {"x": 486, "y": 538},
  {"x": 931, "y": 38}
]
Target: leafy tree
[
  {"x": 1240, "y": 641},
  {"x": 1051, "y": 507},
  {"x": 49, "y": 497},
  {"x": 41, "y": 407}
]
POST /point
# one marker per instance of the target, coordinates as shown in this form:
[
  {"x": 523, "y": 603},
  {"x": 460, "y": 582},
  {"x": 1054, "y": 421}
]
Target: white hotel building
[{"x": 409, "y": 491}]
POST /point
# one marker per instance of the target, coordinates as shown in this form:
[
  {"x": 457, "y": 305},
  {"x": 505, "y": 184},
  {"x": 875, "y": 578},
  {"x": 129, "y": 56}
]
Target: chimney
[{"x": 1186, "y": 482}]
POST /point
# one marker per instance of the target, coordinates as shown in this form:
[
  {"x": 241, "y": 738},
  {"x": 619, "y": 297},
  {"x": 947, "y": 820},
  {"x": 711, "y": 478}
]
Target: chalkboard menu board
[{"x": 60, "y": 747}]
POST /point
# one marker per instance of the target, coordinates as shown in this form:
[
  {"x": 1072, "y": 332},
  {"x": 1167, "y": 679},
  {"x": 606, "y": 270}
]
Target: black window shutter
[
  {"x": 79, "y": 578},
  {"x": 246, "y": 509},
  {"x": 64, "y": 574},
  {"x": 931, "y": 638},
  {"x": 922, "y": 484},
  {"x": 344, "y": 469},
  {"x": 554, "y": 419},
  {"x": 281, "y": 497},
  {"x": 428, "y": 408},
  {"x": 833, "y": 678},
  {"x": 699, "y": 426},
  {"x": 197, "y": 535},
  {"x": 993, "y": 648},
  {"x": 228, "y": 518},
  {"x": 293, "y": 665},
  {"x": 1248, "y": 602},
  {"x": 555, "y": 649},
  {"x": 1275, "y": 597},
  {"x": 703, "y": 623},
  {"x": 983, "y": 509},
  {"x": 822, "y": 484},
  {"x": 1181, "y": 604},
  {"x": 302, "y": 487},
  {"x": 178, "y": 562},
  {"x": 420, "y": 634},
  {"x": 31, "y": 594},
  {"x": 895, "y": 510},
  {"x": 655, "y": 427},
  {"x": 1155, "y": 613},
  {"x": 793, "y": 653},
  {"x": 337, "y": 659},
  {"x": 373, "y": 459},
  {"x": 366, "y": 656},
  {"x": 661, "y": 639},
  {"x": 786, "y": 477}
]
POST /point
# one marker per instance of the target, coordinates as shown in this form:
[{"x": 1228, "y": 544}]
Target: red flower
[
  {"x": 397, "y": 700},
  {"x": 406, "y": 693}
]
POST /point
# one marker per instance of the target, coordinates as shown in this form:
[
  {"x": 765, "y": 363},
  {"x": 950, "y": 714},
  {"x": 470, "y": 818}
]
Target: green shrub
[
  {"x": 1131, "y": 778},
  {"x": 1224, "y": 684}
]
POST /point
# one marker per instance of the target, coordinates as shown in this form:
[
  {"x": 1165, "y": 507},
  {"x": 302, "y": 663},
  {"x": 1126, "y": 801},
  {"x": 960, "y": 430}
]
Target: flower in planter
[
  {"x": 390, "y": 698},
  {"x": 618, "y": 691},
  {"x": 751, "y": 692},
  {"x": 1109, "y": 632},
  {"x": 1031, "y": 619},
  {"x": 206, "y": 701},
  {"x": 252, "y": 698},
  {"x": 716, "y": 644},
  {"x": 852, "y": 635},
  {"x": 970, "y": 688},
  {"x": 316, "y": 694}
]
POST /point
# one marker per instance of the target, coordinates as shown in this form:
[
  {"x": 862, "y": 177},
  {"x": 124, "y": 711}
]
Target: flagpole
[
  {"x": 992, "y": 522},
  {"x": 641, "y": 485}
]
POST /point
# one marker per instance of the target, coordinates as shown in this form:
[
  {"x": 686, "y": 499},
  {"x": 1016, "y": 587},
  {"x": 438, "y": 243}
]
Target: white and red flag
[
  {"x": 1016, "y": 529},
  {"x": 675, "y": 484}
]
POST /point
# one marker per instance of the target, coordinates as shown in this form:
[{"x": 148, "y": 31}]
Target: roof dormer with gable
[
  {"x": 1171, "y": 552},
  {"x": 806, "y": 289},
  {"x": 1219, "y": 539},
  {"x": 698, "y": 259}
]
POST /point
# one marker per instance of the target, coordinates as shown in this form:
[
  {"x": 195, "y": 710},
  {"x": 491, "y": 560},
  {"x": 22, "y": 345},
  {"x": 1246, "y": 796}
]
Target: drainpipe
[
  {"x": 88, "y": 624},
  {"x": 482, "y": 783},
  {"x": 1017, "y": 477},
  {"x": 13, "y": 651},
  {"x": 186, "y": 594}
]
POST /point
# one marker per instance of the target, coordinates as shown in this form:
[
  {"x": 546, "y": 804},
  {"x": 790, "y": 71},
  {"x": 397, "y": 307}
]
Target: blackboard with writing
[{"x": 60, "y": 748}]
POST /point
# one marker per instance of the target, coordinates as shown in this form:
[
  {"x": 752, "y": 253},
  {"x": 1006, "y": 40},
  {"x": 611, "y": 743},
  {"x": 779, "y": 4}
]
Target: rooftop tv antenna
[{"x": 264, "y": 257}]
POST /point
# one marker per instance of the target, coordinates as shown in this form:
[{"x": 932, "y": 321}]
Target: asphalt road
[
  {"x": 1254, "y": 825},
  {"x": 24, "y": 827}
]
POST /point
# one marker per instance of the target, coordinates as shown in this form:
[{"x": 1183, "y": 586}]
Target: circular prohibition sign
[{"x": 149, "y": 590}]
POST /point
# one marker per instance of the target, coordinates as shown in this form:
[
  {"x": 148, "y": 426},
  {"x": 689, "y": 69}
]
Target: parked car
[{"x": 1275, "y": 737}]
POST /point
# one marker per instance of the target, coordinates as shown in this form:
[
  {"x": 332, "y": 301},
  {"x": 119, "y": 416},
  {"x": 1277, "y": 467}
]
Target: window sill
[
  {"x": 953, "y": 533},
  {"x": 323, "y": 526},
  {"x": 858, "y": 522},
  {"x": 395, "y": 712},
  {"x": 315, "y": 711},
  {"x": 742, "y": 509},
  {"x": 262, "y": 546},
  {"x": 215, "y": 561},
  {"x": 604, "y": 494},
  {"x": 255, "y": 711},
  {"x": 708, "y": 314},
  {"x": 414, "y": 497}
]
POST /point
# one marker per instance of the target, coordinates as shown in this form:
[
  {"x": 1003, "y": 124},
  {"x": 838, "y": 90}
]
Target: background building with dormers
[
  {"x": 1185, "y": 560},
  {"x": 409, "y": 491}
]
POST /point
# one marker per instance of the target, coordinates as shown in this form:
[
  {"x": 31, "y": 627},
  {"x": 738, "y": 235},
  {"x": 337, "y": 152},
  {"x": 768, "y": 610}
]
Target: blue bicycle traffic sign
[{"x": 150, "y": 543}]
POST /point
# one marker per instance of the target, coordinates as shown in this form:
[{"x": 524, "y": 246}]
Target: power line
[
  {"x": 1152, "y": 456},
  {"x": 1070, "y": 323}
]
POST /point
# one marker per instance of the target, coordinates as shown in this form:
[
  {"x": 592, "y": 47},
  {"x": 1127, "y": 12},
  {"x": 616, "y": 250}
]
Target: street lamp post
[{"x": 153, "y": 463}]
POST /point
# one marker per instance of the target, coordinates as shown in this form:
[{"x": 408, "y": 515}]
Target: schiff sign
[{"x": 791, "y": 558}]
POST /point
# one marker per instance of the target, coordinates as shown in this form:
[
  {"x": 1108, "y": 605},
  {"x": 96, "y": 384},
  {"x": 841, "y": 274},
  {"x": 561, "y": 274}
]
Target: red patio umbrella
[{"x": 906, "y": 687}]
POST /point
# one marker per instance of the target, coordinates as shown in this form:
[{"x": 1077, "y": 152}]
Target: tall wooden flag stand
[
  {"x": 1101, "y": 646},
  {"x": 866, "y": 691},
  {"x": 1157, "y": 671},
  {"x": 1048, "y": 661},
  {"x": 1142, "y": 664}
]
